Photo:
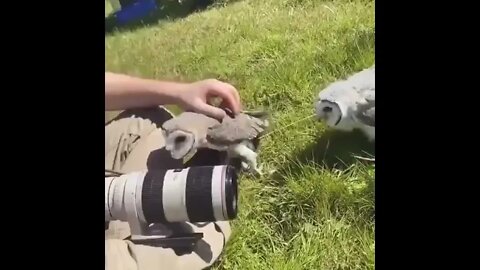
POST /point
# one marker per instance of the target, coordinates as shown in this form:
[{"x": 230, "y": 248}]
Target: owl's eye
[
  {"x": 180, "y": 139},
  {"x": 327, "y": 109}
]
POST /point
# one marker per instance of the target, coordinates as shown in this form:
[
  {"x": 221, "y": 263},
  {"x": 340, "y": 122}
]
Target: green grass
[{"x": 318, "y": 210}]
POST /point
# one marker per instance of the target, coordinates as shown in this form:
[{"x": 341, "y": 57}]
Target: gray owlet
[
  {"x": 349, "y": 104},
  {"x": 238, "y": 136}
]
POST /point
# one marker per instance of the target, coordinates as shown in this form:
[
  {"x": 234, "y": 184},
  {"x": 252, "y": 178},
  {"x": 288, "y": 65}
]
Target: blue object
[{"x": 136, "y": 11}]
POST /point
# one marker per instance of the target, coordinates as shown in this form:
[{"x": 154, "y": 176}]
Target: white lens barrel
[{"x": 195, "y": 194}]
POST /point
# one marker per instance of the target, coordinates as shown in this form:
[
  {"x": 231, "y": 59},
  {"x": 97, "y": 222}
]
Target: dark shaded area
[
  {"x": 183, "y": 239},
  {"x": 210, "y": 157},
  {"x": 166, "y": 10},
  {"x": 333, "y": 150},
  {"x": 206, "y": 157},
  {"x": 160, "y": 159}
]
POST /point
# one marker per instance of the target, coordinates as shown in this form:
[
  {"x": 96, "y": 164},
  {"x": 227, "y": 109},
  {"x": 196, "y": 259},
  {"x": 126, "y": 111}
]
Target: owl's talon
[{"x": 259, "y": 170}]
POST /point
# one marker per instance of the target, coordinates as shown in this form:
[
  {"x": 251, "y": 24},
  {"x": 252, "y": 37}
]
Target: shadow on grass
[
  {"x": 332, "y": 150},
  {"x": 166, "y": 10}
]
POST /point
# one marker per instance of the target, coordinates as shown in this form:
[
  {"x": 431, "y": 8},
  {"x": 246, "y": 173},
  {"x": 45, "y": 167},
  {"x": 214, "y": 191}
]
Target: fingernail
[{"x": 229, "y": 113}]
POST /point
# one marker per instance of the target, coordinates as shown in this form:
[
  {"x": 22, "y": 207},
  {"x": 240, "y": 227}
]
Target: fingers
[
  {"x": 209, "y": 110},
  {"x": 228, "y": 93},
  {"x": 232, "y": 89},
  {"x": 198, "y": 94}
]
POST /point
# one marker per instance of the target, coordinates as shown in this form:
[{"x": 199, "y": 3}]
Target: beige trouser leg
[{"x": 135, "y": 142}]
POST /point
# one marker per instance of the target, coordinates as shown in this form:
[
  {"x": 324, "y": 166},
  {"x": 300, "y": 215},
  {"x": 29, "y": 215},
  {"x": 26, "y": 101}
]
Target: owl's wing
[
  {"x": 233, "y": 130},
  {"x": 366, "y": 110},
  {"x": 189, "y": 121}
]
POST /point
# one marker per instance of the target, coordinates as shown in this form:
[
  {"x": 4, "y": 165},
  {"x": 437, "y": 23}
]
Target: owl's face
[
  {"x": 328, "y": 111},
  {"x": 180, "y": 143},
  {"x": 335, "y": 104}
]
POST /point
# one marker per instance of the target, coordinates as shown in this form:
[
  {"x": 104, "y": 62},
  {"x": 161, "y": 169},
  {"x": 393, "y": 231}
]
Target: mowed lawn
[{"x": 318, "y": 210}]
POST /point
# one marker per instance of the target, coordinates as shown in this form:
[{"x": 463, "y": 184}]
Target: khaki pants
[{"x": 134, "y": 142}]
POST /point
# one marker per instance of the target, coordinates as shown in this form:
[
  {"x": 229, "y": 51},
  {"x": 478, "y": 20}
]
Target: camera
[{"x": 192, "y": 194}]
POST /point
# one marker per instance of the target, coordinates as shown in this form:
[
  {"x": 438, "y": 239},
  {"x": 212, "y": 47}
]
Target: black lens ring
[{"x": 231, "y": 191}]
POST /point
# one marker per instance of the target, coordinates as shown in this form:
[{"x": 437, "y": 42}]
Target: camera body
[{"x": 155, "y": 199}]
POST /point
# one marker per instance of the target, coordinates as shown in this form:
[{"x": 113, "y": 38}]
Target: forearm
[{"x": 125, "y": 92}]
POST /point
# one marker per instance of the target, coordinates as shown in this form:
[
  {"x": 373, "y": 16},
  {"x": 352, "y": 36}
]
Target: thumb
[{"x": 211, "y": 111}]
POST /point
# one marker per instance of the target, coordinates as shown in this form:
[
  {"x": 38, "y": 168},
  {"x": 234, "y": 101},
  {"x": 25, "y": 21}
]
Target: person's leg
[
  {"x": 135, "y": 142},
  {"x": 127, "y": 129}
]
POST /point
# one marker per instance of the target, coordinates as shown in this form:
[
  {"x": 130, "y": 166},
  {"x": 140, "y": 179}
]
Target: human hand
[{"x": 196, "y": 97}]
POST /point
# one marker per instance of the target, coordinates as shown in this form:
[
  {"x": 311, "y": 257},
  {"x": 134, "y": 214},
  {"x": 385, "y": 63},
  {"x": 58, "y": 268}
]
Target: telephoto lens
[{"x": 194, "y": 194}]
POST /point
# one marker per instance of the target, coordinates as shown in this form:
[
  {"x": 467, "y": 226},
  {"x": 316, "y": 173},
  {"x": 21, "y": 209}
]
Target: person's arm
[{"x": 125, "y": 92}]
